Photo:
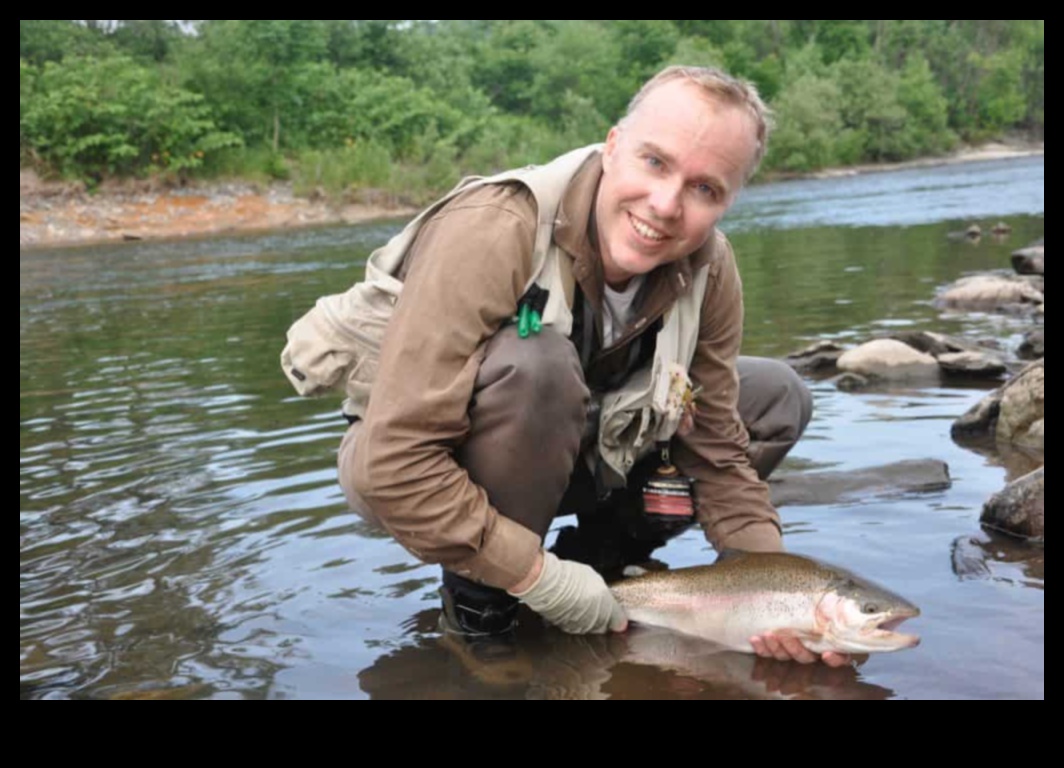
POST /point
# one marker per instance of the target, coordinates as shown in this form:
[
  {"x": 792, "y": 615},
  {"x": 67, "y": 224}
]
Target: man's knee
[
  {"x": 539, "y": 376},
  {"x": 773, "y": 400}
]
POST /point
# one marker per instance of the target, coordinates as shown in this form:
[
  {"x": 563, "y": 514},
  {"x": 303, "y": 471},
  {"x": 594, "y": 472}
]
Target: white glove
[{"x": 574, "y": 598}]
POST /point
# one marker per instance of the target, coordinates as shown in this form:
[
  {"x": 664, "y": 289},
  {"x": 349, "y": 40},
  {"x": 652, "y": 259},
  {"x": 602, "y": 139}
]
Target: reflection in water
[
  {"x": 978, "y": 557},
  {"x": 644, "y": 663},
  {"x": 182, "y": 534},
  {"x": 1018, "y": 462}
]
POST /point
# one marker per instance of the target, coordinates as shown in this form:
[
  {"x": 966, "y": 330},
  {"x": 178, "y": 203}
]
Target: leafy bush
[{"x": 94, "y": 117}]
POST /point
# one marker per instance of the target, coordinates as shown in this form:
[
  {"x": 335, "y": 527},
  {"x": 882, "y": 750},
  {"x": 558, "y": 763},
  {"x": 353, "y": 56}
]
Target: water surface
[{"x": 181, "y": 534}]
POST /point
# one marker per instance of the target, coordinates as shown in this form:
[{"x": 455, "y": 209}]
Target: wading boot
[{"x": 477, "y": 626}]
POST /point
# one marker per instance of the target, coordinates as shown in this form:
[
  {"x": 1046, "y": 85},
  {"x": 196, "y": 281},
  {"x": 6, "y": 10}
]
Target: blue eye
[
  {"x": 705, "y": 190},
  {"x": 654, "y": 162}
]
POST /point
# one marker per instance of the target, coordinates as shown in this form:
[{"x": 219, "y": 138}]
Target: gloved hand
[{"x": 574, "y": 598}]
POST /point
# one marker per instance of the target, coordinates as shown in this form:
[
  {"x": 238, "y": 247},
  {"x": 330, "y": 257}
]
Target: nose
[{"x": 666, "y": 199}]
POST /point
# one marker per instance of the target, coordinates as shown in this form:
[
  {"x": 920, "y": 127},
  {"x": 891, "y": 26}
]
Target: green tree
[
  {"x": 252, "y": 68},
  {"x": 367, "y": 43},
  {"x": 871, "y": 111},
  {"x": 148, "y": 39},
  {"x": 644, "y": 45},
  {"x": 42, "y": 40},
  {"x": 810, "y": 126},
  {"x": 927, "y": 107},
  {"x": 578, "y": 58},
  {"x": 26, "y": 77}
]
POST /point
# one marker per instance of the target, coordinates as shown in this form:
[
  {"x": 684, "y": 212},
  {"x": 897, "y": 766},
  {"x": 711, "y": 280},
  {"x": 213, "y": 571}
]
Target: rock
[
  {"x": 1040, "y": 311},
  {"x": 1001, "y": 228},
  {"x": 1019, "y": 510},
  {"x": 1023, "y": 409},
  {"x": 969, "y": 558},
  {"x": 1030, "y": 261},
  {"x": 972, "y": 364},
  {"x": 973, "y": 234},
  {"x": 980, "y": 421},
  {"x": 938, "y": 344},
  {"x": 851, "y": 382},
  {"x": 820, "y": 488},
  {"x": 889, "y": 360},
  {"x": 820, "y": 358},
  {"x": 984, "y": 293},
  {"x": 1033, "y": 346},
  {"x": 1013, "y": 415}
]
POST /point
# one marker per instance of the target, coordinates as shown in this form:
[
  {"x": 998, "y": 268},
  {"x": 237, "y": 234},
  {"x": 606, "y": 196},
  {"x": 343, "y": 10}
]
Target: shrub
[{"x": 90, "y": 118}]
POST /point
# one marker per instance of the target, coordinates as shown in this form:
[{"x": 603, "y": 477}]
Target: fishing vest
[{"x": 337, "y": 343}]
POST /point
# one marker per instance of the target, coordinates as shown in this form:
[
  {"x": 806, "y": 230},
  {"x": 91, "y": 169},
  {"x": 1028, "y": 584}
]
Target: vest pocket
[{"x": 338, "y": 343}]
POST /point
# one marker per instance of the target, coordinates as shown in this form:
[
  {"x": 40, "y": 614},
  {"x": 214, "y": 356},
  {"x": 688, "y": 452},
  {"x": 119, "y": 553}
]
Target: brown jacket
[{"x": 462, "y": 280}]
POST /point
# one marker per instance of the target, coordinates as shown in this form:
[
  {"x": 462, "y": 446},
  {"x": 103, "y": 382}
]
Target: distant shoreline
[
  {"x": 983, "y": 153},
  {"x": 56, "y": 215}
]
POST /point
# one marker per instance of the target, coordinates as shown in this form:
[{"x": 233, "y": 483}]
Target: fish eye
[{"x": 870, "y": 608}]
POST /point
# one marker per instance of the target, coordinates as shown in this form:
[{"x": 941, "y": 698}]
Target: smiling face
[{"x": 671, "y": 169}]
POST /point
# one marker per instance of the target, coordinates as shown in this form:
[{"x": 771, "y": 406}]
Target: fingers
[
  {"x": 618, "y": 621},
  {"x": 771, "y": 646},
  {"x": 836, "y": 660}
]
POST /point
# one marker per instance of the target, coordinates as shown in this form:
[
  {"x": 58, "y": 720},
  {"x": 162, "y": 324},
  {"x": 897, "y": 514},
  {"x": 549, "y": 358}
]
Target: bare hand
[{"x": 771, "y": 646}]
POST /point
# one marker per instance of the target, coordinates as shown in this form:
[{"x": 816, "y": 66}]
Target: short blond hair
[{"x": 721, "y": 87}]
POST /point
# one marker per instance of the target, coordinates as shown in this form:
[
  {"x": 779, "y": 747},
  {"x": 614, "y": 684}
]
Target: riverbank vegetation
[{"x": 404, "y": 107}]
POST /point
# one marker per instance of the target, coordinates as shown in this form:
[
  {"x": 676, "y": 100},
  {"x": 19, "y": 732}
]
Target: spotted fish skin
[{"x": 745, "y": 595}]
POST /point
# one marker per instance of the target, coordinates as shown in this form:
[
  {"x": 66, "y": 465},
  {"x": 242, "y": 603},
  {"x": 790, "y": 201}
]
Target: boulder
[
  {"x": 1013, "y": 415},
  {"x": 972, "y": 365},
  {"x": 820, "y": 358},
  {"x": 1033, "y": 346},
  {"x": 1019, "y": 510},
  {"x": 889, "y": 360},
  {"x": 1023, "y": 409},
  {"x": 1030, "y": 261},
  {"x": 822, "y": 488},
  {"x": 984, "y": 293}
]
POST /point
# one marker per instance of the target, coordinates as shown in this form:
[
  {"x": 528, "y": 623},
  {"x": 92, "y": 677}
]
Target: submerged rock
[
  {"x": 820, "y": 358},
  {"x": 1019, "y": 510},
  {"x": 1033, "y": 346},
  {"x": 889, "y": 360},
  {"x": 820, "y": 488},
  {"x": 1030, "y": 261},
  {"x": 1014, "y": 414},
  {"x": 851, "y": 382},
  {"x": 969, "y": 558},
  {"x": 985, "y": 293}
]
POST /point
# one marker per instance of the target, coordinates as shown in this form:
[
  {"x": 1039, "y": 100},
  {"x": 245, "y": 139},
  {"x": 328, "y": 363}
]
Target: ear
[{"x": 609, "y": 152}]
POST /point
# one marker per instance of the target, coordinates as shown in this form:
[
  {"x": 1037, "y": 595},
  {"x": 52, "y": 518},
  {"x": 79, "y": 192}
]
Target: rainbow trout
[{"x": 745, "y": 594}]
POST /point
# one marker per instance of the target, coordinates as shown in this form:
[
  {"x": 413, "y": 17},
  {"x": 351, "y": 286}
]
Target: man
[{"x": 479, "y": 431}]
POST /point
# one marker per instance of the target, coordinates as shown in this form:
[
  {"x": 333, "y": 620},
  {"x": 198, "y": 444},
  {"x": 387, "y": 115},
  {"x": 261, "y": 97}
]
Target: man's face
[{"x": 670, "y": 171}]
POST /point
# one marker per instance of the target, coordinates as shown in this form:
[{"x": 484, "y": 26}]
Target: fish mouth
[{"x": 885, "y": 632}]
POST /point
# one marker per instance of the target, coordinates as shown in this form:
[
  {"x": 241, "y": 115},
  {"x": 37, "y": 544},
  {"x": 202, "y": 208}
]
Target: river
[{"x": 181, "y": 533}]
